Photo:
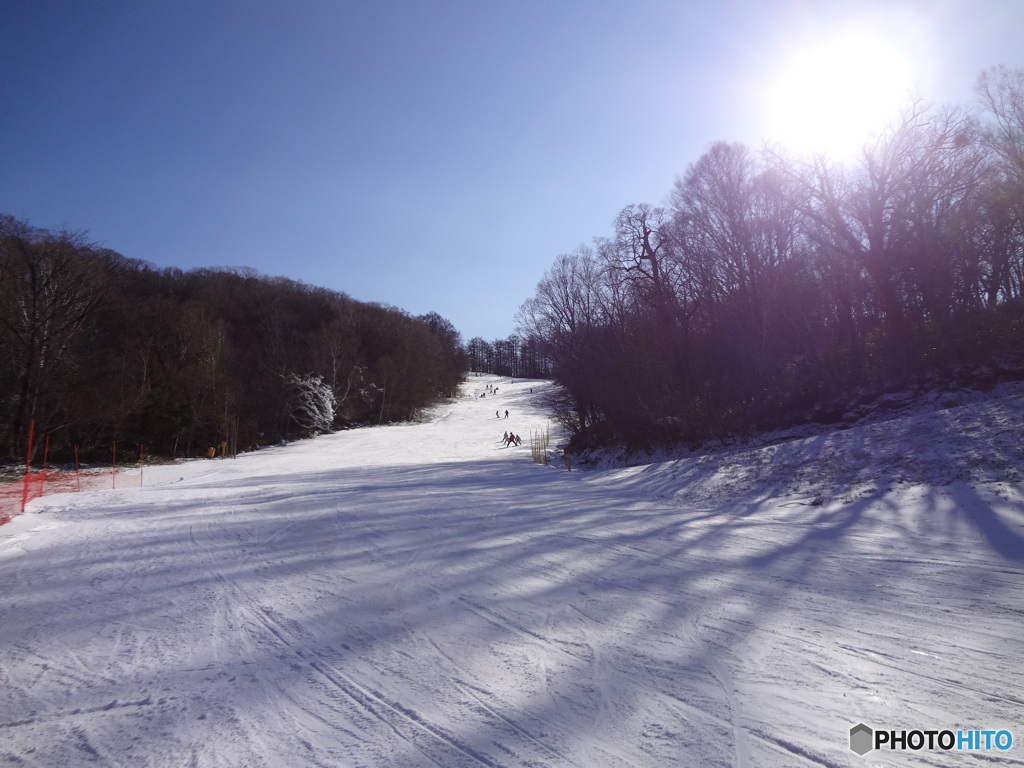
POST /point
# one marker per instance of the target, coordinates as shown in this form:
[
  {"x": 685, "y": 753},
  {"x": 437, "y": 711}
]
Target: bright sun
[{"x": 830, "y": 98}]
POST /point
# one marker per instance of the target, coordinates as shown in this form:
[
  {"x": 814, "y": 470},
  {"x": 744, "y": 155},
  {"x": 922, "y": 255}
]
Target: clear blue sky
[{"x": 435, "y": 155}]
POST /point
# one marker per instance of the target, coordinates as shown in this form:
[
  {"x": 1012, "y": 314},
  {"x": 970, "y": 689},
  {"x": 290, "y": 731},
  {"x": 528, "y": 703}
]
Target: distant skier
[{"x": 506, "y": 413}]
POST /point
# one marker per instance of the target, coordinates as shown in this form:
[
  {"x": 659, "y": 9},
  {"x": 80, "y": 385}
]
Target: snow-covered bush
[{"x": 312, "y": 402}]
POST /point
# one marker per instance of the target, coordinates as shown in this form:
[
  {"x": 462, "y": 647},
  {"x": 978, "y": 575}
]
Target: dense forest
[
  {"x": 98, "y": 348},
  {"x": 515, "y": 356},
  {"x": 773, "y": 288}
]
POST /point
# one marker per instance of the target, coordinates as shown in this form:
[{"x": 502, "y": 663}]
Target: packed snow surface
[{"x": 421, "y": 595}]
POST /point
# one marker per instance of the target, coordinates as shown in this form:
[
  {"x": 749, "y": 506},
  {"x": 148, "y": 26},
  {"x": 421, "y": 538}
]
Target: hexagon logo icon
[{"x": 861, "y": 737}]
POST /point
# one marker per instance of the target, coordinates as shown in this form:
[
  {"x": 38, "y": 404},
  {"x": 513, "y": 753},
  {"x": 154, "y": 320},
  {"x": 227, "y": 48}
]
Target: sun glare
[{"x": 831, "y": 97}]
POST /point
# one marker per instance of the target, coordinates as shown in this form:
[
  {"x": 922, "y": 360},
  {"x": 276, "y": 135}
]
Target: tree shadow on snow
[{"x": 462, "y": 613}]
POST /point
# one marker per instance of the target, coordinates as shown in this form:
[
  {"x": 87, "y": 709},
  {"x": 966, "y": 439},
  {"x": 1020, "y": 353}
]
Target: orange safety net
[{"x": 14, "y": 497}]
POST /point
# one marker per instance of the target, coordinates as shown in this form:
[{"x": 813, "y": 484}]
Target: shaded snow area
[{"x": 420, "y": 595}]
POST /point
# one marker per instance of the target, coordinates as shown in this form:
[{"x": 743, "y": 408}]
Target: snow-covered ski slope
[{"x": 419, "y": 595}]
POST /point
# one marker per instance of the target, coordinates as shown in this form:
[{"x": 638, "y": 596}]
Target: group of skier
[{"x": 508, "y": 438}]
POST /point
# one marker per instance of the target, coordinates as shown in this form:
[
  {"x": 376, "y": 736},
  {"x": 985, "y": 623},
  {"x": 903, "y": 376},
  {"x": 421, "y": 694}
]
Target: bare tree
[
  {"x": 569, "y": 311},
  {"x": 999, "y": 230},
  {"x": 51, "y": 290},
  {"x": 640, "y": 251},
  {"x": 1001, "y": 92}
]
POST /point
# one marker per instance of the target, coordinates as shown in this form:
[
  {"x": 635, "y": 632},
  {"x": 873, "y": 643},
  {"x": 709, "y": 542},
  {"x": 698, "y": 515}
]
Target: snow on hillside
[{"x": 419, "y": 595}]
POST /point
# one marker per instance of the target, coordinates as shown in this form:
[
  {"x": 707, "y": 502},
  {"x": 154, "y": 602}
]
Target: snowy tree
[{"x": 312, "y": 402}]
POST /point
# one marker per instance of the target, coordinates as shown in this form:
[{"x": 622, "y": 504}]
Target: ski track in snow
[{"x": 418, "y": 595}]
